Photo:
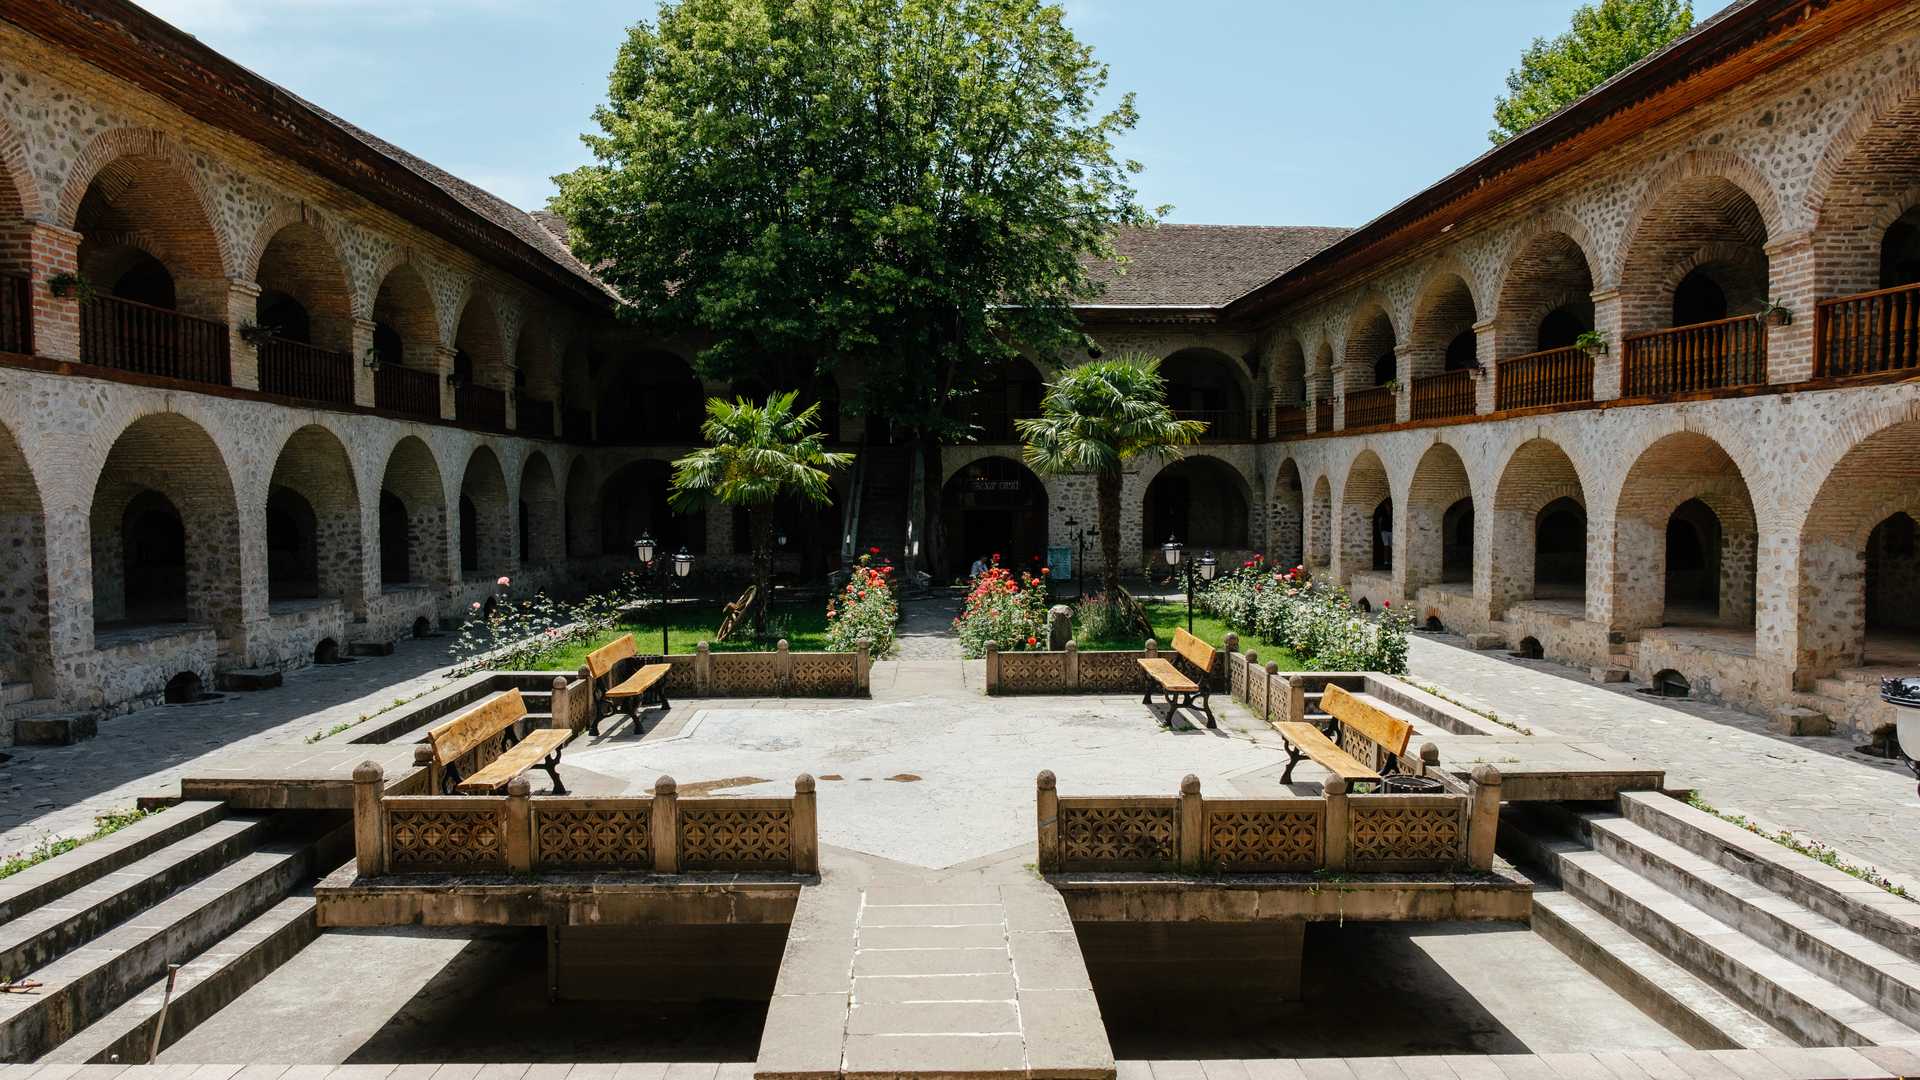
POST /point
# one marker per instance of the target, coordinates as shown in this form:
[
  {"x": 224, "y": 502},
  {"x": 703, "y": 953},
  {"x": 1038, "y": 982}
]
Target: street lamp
[
  {"x": 658, "y": 576},
  {"x": 1080, "y": 555},
  {"x": 1204, "y": 567}
]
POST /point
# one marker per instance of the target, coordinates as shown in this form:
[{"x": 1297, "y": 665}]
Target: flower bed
[
  {"x": 1315, "y": 622},
  {"x": 866, "y": 609},
  {"x": 1007, "y": 611}
]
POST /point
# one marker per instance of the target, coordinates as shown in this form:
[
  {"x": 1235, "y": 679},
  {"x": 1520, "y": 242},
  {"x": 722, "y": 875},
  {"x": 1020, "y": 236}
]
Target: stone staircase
[
  {"x": 29, "y": 721},
  {"x": 196, "y": 885},
  {"x": 1731, "y": 940}
]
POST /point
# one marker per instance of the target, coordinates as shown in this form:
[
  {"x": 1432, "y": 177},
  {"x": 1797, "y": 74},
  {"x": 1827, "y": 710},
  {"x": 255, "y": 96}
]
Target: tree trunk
[
  {"x": 933, "y": 538},
  {"x": 1108, "y": 491},
  {"x": 762, "y": 566}
]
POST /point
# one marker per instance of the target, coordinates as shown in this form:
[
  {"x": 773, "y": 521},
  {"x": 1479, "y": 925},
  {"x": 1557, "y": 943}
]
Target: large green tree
[
  {"x": 1096, "y": 418},
  {"x": 758, "y": 455},
  {"x": 1605, "y": 39},
  {"x": 909, "y": 189}
]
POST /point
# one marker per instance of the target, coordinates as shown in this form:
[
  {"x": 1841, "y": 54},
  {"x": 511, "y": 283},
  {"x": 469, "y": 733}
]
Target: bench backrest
[
  {"x": 475, "y": 726},
  {"x": 1390, "y": 733},
  {"x": 601, "y": 661},
  {"x": 1193, "y": 651}
]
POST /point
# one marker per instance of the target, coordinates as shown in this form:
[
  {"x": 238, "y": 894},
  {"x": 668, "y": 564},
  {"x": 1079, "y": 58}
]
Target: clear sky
[{"x": 1278, "y": 112}]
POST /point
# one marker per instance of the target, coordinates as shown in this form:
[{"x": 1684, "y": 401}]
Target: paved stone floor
[
  {"x": 925, "y": 631},
  {"x": 1864, "y": 807}
]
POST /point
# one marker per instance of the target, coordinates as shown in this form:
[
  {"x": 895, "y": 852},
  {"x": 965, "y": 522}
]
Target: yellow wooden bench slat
[
  {"x": 1389, "y": 732},
  {"x": 1314, "y": 743},
  {"x": 1168, "y": 676},
  {"x": 641, "y": 681},
  {"x": 602, "y": 660},
  {"x": 1193, "y": 650},
  {"x": 454, "y": 738},
  {"x": 523, "y": 755}
]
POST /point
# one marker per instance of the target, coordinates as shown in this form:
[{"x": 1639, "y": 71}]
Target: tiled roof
[{"x": 1204, "y": 265}]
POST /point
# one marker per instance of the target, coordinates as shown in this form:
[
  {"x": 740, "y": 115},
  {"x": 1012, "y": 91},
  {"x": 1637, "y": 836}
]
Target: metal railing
[
  {"x": 1370, "y": 408},
  {"x": 1548, "y": 377},
  {"x": 1867, "y": 333},
  {"x": 480, "y": 406},
  {"x": 1449, "y": 393},
  {"x": 131, "y": 336},
  {"x": 16, "y": 312},
  {"x": 1703, "y": 356},
  {"x": 303, "y": 371},
  {"x": 407, "y": 390}
]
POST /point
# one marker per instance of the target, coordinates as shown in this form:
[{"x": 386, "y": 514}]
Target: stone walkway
[
  {"x": 925, "y": 631},
  {"x": 1864, "y": 807}
]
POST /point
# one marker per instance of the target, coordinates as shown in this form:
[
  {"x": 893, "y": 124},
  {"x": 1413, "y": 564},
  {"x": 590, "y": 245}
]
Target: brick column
[
  {"x": 443, "y": 367},
  {"x": 243, "y": 307},
  {"x": 52, "y": 250},
  {"x": 1790, "y": 283},
  {"x": 1403, "y": 364},
  {"x": 1609, "y": 320},
  {"x": 360, "y": 345},
  {"x": 1486, "y": 348}
]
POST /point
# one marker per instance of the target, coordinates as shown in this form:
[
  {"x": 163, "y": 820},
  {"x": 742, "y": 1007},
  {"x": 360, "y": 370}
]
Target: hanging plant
[
  {"x": 1774, "y": 313},
  {"x": 254, "y": 333},
  {"x": 67, "y": 284},
  {"x": 371, "y": 361},
  {"x": 1590, "y": 341}
]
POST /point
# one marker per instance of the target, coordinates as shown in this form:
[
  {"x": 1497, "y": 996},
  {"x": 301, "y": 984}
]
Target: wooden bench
[
  {"x": 498, "y": 716},
  {"x": 1177, "y": 686},
  {"x": 613, "y": 683},
  {"x": 1353, "y": 726}
]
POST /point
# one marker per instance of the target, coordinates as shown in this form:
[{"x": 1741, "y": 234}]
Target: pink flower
[
  {"x": 504, "y": 581},
  {"x": 1386, "y": 603},
  {"x": 476, "y": 605}
]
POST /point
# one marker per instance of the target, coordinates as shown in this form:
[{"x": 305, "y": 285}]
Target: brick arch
[
  {"x": 1239, "y": 527},
  {"x": 1440, "y": 480},
  {"x": 1318, "y": 539},
  {"x": 1671, "y": 471},
  {"x": 543, "y": 541},
  {"x": 1888, "y": 112},
  {"x": 486, "y": 541},
  {"x": 1549, "y": 267},
  {"x": 1321, "y": 373},
  {"x": 1367, "y": 485},
  {"x": 97, "y": 161},
  {"x": 582, "y": 533},
  {"x": 403, "y": 298},
  {"x": 1194, "y": 384},
  {"x": 1534, "y": 475},
  {"x": 478, "y": 332},
  {"x": 313, "y": 463},
  {"x": 1446, "y": 304},
  {"x": 300, "y": 255},
  {"x": 413, "y": 478},
  {"x": 1287, "y": 368},
  {"x": 26, "y": 647},
  {"x": 1696, "y": 170},
  {"x": 1286, "y": 515},
  {"x": 1371, "y": 334},
  {"x": 19, "y": 194}
]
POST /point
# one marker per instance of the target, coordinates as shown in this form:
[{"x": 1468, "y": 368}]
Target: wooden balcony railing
[
  {"x": 1704, "y": 356},
  {"x": 1289, "y": 420},
  {"x": 480, "y": 406},
  {"x": 16, "y": 313},
  {"x": 407, "y": 390},
  {"x": 150, "y": 340},
  {"x": 576, "y": 425},
  {"x": 1867, "y": 333},
  {"x": 302, "y": 371},
  {"x": 1552, "y": 377},
  {"x": 1323, "y": 415},
  {"x": 1449, "y": 393},
  {"x": 534, "y": 417},
  {"x": 1370, "y": 408},
  {"x": 1223, "y": 425}
]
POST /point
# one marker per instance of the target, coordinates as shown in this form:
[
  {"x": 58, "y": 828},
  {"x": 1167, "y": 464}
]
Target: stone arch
[
  {"x": 149, "y": 230},
  {"x": 1545, "y": 298},
  {"x": 1864, "y": 197},
  {"x": 305, "y": 294},
  {"x": 486, "y": 522},
  {"x": 652, "y": 399},
  {"x": 166, "y": 531},
  {"x": 19, "y": 194},
  {"x": 1203, "y": 501},
  {"x": 1286, "y": 517},
  {"x": 406, "y": 319},
  {"x": 1371, "y": 355},
  {"x": 413, "y": 517},
  {"x": 542, "y": 517},
  {"x": 1208, "y": 385},
  {"x": 314, "y": 545},
  {"x": 1442, "y": 337},
  {"x": 582, "y": 534},
  {"x": 1713, "y": 215},
  {"x": 633, "y": 500},
  {"x": 26, "y": 649},
  {"x": 1362, "y": 544},
  {"x": 1320, "y": 378},
  {"x": 1319, "y": 530},
  {"x": 1859, "y": 577},
  {"x": 479, "y": 345},
  {"x": 1437, "y": 549},
  {"x": 1533, "y": 554},
  {"x": 1684, "y": 491},
  {"x": 993, "y": 505}
]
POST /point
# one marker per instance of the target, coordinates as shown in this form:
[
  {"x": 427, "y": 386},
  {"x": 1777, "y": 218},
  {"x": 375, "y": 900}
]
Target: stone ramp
[{"x": 950, "y": 979}]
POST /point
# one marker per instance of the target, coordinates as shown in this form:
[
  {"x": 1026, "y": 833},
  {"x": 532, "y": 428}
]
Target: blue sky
[{"x": 1279, "y": 112}]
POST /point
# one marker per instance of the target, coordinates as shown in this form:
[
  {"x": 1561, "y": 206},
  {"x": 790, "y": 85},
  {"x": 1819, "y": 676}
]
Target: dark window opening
[
  {"x": 155, "y": 542},
  {"x": 1463, "y": 351},
  {"x": 1383, "y": 536},
  {"x": 1698, "y": 299},
  {"x": 395, "y": 555}
]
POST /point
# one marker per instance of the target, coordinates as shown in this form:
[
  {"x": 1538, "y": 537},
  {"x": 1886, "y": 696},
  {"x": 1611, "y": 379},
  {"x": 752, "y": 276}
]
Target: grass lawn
[
  {"x": 803, "y": 625},
  {"x": 1169, "y": 615}
]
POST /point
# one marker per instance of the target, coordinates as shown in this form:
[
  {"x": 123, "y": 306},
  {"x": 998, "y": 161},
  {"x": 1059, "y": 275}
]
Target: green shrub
[{"x": 1005, "y": 610}]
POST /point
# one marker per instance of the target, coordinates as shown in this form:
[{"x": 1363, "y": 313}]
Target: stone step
[
  {"x": 90, "y": 982},
  {"x": 42, "y": 884},
  {"x": 36, "y": 938},
  {"x": 28, "y": 708},
  {"x": 14, "y": 693},
  {"x": 1891, "y": 921},
  {"x": 1672, "y": 995},
  {"x": 1873, "y": 972},
  {"x": 54, "y": 729},
  {"x": 204, "y": 985},
  {"x": 1809, "y": 1008}
]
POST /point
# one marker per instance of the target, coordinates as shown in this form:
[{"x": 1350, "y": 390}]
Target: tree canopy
[
  {"x": 1605, "y": 39},
  {"x": 909, "y": 186}
]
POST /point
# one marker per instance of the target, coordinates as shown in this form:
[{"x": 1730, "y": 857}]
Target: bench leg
[
  {"x": 552, "y": 767},
  {"x": 593, "y": 715},
  {"x": 1293, "y": 758},
  {"x": 1205, "y": 708}
]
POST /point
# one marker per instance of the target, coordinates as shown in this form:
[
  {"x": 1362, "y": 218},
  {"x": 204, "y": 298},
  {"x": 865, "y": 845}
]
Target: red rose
[{"x": 1033, "y": 640}]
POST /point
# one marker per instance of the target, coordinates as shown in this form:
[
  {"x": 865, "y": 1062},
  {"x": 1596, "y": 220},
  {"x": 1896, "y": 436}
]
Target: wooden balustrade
[
  {"x": 1867, "y": 333},
  {"x": 480, "y": 406},
  {"x": 1704, "y": 356},
  {"x": 1289, "y": 420},
  {"x": 534, "y": 418},
  {"x": 1370, "y": 408},
  {"x": 1323, "y": 415},
  {"x": 407, "y": 390},
  {"x": 1449, "y": 393},
  {"x": 1222, "y": 424},
  {"x": 303, "y": 371},
  {"x": 16, "y": 313},
  {"x": 130, "y": 336},
  {"x": 1550, "y": 377}
]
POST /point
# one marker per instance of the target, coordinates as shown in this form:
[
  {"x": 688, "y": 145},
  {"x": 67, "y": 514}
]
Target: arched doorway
[
  {"x": 486, "y": 527},
  {"x": 1698, "y": 256},
  {"x": 1366, "y": 518},
  {"x": 1439, "y": 520},
  {"x": 541, "y": 526},
  {"x": 652, "y": 399},
  {"x": 1202, "y": 502},
  {"x": 634, "y": 502},
  {"x": 1686, "y": 538},
  {"x": 1206, "y": 385},
  {"x": 25, "y": 643},
  {"x": 993, "y": 506},
  {"x": 1859, "y": 581},
  {"x": 413, "y": 518},
  {"x": 1539, "y": 535},
  {"x": 313, "y": 521},
  {"x": 1286, "y": 509}
]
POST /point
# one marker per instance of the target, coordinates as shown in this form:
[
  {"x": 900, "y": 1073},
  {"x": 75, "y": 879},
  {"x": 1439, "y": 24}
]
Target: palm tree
[
  {"x": 1096, "y": 418},
  {"x": 759, "y": 454}
]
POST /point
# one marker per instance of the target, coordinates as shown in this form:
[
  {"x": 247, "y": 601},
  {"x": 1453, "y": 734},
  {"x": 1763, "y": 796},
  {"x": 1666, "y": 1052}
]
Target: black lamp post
[
  {"x": 1080, "y": 556},
  {"x": 1206, "y": 566},
  {"x": 659, "y": 576}
]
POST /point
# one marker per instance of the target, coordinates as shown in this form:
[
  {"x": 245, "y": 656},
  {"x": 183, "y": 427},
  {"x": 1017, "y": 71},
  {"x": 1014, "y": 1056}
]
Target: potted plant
[
  {"x": 254, "y": 333},
  {"x": 1590, "y": 342},
  {"x": 69, "y": 284},
  {"x": 371, "y": 361},
  {"x": 1774, "y": 313}
]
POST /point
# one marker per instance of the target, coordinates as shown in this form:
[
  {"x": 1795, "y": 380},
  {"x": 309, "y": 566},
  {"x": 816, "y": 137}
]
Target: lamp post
[
  {"x": 1205, "y": 566},
  {"x": 660, "y": 577},
  {"x": 1080, "y": 556}
]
